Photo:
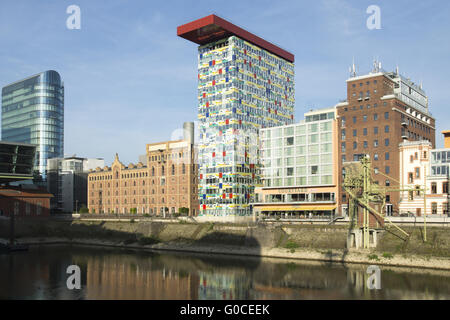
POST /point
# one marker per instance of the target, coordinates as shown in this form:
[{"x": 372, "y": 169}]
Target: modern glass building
[
  {"x": 244, "y": 84},
  {"x": 33, "y": 112},
  {"x": 300, "y": 154},
  {"x": 299, "y": 169}
]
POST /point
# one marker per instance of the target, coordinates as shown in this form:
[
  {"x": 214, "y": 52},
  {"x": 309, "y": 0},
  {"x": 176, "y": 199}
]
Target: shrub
[
  {"x": 291, "y": 245},
  {"x": 373, "y": 257},
  {"x": 183, "y": 211},
  {"x": 83, "y": 210},
  {"x": 387, "y": 255}
]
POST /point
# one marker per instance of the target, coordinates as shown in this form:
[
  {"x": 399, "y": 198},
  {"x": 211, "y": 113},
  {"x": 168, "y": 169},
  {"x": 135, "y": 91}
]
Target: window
[
  {"x": 417, "y": 170},
  {"x": 433, "y": 188},
  {"x": 290, "y": 141},
  {"x": 365, "y": 131},
  {"x": 386, "y": 142},
  {"x": 375, "y": 156},
  {"x": 418, "y": 191},
  {"x": 386, "y": 115},
  {"x": 355, "y": 145},
  {"x": 355, "y": 132},
  {"x": 375, "y": 116},
  {"x": 365, "y": 144},
  {"x": 410, "y": 195},
  {"x": 444, "y": 187},
  {"x": 410, "y": 177},
  {"x": 434, "y": 208},
  {"x": 375, "y": 130},
  {"x": 343, "y": 134},
  {"x": 386, "y": 129},
  {"x": 386, "y": 156},
  {"x": 343, "y": 121},
  {"x": 387, "y": 169},
  {"x": 364, "y": 118},
  {"x": 343, "y": 146},
  {"x": 314, "y": 169},
  {"x": 354, "y": 119},
  {"x": 445, "y": 208},
  {"x": 388, "y": 183},
  {"x": 375, "y": 143}
]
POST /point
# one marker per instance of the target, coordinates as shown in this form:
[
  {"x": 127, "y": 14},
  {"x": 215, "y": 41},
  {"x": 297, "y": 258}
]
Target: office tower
[
  {"x": 244, "y": 84},
  {"x": 300, "y": 168},
  {"x": 33, "y": 112},
  {"x": 166, "y": 184},
  {"x": 382, "y": 110},
  {"x": 67, "y": 181}
]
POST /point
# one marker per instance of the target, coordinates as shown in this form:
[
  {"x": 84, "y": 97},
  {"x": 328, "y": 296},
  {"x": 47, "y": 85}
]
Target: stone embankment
[{"x": 309, "y": 242}]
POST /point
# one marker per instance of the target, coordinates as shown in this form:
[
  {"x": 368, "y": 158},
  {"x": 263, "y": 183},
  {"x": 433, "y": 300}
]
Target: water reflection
[{"x": 124, "y": 274}]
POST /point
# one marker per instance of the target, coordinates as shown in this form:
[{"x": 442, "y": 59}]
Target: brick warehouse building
[
  {"x": 165, "y": 184},
  {"x": 382, "y": 110}
]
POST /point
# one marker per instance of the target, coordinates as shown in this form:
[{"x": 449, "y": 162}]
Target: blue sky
[{"x": 130, "y": 80}]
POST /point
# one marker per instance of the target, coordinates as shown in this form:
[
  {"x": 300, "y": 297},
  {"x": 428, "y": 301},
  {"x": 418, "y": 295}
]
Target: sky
[{"x": 129, "y": 80}]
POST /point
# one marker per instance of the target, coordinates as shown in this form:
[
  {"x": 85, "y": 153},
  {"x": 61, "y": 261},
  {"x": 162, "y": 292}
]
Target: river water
[{"x": 110, "y": 273}]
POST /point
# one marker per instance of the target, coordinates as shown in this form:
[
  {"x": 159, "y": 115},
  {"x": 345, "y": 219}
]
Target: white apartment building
[
  {"x": 299, "y": 167},
  {"x": 423, "y": 168}
]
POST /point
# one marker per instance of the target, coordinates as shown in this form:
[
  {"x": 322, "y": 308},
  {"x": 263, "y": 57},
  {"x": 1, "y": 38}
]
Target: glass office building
[
  {"x": 300, "y": 154},
  {"x": 33, "y": 112}
]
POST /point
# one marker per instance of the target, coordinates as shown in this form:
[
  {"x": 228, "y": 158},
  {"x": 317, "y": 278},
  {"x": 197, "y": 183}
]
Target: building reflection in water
[{"x": 122, "y": 274}]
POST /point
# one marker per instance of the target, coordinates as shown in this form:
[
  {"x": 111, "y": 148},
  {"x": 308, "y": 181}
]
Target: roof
[
  {"x": 18, "y": 191},
  {"x": 212, "y": 28}
]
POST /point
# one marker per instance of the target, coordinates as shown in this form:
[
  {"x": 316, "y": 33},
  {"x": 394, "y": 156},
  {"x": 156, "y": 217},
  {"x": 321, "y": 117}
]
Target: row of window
[
  {"x": 361, "y": 84},
  {"x": 357, "y": 157},
  {"x": 365, "y": 144},
  {"x": 365, "y": 117}
]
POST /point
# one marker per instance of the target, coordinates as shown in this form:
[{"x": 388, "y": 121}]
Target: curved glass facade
[{"x": 33, "y": 112}]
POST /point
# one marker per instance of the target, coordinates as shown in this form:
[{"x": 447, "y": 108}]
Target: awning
[{"x": 300, "y": 208}]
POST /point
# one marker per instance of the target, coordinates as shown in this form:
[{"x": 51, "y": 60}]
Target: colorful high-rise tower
[{"x": 244, "y": 83}]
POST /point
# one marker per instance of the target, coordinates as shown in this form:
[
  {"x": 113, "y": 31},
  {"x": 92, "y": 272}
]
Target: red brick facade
[
  {"x": 375, "y": 121},
  {"x": 24, "y": 202}
]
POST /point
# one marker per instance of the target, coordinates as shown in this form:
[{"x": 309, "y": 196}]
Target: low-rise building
[
  {"x": 67, "y": 181},
  {"x": 423, "y": 168},
  {"x": 299, "y": 168},
  {"x": 166, "y": 184}
]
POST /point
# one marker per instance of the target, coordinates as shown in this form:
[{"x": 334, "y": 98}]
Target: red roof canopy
[{"x": 212, "y": 28}]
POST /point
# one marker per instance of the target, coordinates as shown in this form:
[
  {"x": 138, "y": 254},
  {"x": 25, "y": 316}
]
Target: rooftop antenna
[
  {"x": 396, "y": 70},
  {"x": 352, "y": 69},
  {"x": 376, "y": 66}
]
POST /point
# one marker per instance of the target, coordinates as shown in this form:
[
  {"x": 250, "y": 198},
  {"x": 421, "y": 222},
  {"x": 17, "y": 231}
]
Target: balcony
[{"x": 404, "y": 124}]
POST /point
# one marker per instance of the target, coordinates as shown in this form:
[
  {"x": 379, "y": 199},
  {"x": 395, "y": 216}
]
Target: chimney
[{"x": 446, "y": 134}]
